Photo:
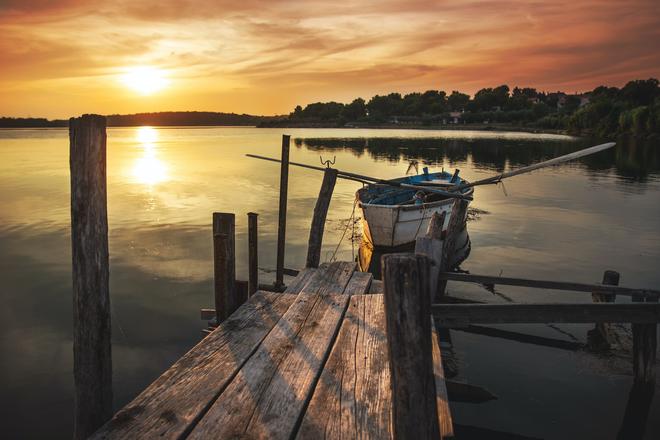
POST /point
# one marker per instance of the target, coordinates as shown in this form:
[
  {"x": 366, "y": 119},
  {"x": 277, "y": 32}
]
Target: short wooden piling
[
  {"x": 320, "y": 214},
  {"x": 92, "y": 352},
  {"x": 224, "y": 265},
  {"x": 253, "y": 254},
  {"x": 601, "y": 336},
  {"x": 281, "y": 225},
  {"x": 408, "y": 324}
]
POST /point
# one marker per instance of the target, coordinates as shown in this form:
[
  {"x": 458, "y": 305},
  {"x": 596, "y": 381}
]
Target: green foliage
[
  {"x": 457, "y": 101},
  {"x": 605, "y": 111}
]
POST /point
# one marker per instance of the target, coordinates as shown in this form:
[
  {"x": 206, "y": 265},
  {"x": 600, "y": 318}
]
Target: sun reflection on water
[{"x": 148, "y": 169}]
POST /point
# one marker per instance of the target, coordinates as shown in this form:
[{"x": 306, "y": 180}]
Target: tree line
[{"x": 604, "y": 111}]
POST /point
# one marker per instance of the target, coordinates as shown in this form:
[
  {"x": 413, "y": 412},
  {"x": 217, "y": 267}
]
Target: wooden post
[
  {"x": 456, "y": 225},
  {"x": 408, "y": 328},
  {"x": 318, "y": 221},
  {"x": 431, "y": 246},
  {"x": 92, "y": 351},
  {"x": 645, "y": 342},
  {"x": 281, "y": 225},
  {"x": 253, "y": 254},
  {"x": 601, "y": 336},
  {"x": 224, "y": 265}
]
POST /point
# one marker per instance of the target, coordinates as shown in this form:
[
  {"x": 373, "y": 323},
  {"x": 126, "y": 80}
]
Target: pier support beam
[
  {"x": 92, "y": 351},
  {"x": 320, "y": 214},
  {"x": 253, "y": 254},
  {"x": 281, "y": 225},
  {"x": 408, "y": 325},
  {"x": 224, "y": 265}
]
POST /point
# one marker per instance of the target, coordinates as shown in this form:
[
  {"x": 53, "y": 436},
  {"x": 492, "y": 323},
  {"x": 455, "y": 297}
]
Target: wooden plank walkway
[{"x": 309, "y": 363}]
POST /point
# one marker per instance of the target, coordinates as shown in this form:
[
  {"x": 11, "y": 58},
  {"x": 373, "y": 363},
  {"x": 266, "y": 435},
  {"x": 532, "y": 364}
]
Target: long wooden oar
[
  {"x": 536, "y": 166},
  {"x": 367, "y": 179}
]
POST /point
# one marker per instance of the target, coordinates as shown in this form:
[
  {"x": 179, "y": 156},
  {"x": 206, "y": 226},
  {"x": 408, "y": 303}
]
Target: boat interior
[{"x": 378, "y": 194}]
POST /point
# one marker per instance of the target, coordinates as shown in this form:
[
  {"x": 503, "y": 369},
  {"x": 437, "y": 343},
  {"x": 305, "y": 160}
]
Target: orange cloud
[{"x": 61, "y": 58}]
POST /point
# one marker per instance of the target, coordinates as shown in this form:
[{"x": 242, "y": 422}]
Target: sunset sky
[{"x": 67, "y": 57}]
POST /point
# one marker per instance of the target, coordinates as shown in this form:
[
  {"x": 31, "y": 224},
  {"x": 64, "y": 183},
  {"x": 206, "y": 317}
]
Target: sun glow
[{"x": 145, "y": 80}]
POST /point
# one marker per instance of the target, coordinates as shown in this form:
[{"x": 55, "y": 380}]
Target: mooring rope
[{"x": 334, "y": 254}]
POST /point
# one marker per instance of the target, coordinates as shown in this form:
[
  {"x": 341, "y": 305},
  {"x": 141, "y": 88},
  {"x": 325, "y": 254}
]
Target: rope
[
  {"x": 421, "y": 220},
  {"x": 334, "y": 254}
]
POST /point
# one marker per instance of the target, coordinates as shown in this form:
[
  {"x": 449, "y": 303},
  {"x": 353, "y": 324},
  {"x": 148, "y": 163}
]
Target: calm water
[{"x": 570, "y": 222}]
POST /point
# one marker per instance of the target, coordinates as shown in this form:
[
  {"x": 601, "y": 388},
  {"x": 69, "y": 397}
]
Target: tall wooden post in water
[
  {"x": 281, "y": 225},
  {"x": 253, "y": 254},
  {"x": 224, "y": 264},
  {"x": 320, "y": 214},
  {"x": 92, "y": 354}
]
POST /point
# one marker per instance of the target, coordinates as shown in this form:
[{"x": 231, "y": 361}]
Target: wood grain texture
[
  {"x": 171, "y": 405},
  {"x": 352, "y": 398},
  {"x": 359, "y": 283},
  {"x": 408, "y": 324},
  {"x": 268, "y": 395},
  {"x": 318, "y": 220},
  {"x": 376, "y": 287},
  {"x": 92, "y": 353}
]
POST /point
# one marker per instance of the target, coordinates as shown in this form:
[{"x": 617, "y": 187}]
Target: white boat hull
[{"x": 393, "y": 226}]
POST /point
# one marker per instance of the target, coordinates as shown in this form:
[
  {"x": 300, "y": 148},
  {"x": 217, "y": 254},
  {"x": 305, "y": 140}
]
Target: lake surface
[{"x": 570, "y": 222}]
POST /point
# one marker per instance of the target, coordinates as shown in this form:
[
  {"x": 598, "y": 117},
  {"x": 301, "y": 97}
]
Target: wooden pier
[
  {"x": 335, "y": 354},
  {"x": 312, "y": 362}
]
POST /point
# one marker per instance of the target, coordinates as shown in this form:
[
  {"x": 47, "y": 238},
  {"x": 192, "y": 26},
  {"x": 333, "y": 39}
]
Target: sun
[{"x": 145, "y": 80}]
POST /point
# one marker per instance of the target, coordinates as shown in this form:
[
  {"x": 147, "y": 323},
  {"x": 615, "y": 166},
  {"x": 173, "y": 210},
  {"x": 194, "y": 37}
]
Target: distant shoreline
[{"x": 457, "y": 127}]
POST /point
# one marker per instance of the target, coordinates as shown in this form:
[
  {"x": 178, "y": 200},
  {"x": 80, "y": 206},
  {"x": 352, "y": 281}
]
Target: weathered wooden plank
[
  {"x": 318, "y": 220},
  {"x": 376, "y": 287},
  {"x": 173, "y": 403},
  {"x": 463, "y": 314},
  {"x": 300, "y": 280},
  {"x": 441, "y": 396},
  {"x": 408, "y": 324},
  {"x": 268, "y": 395},
  {"x": 92, "y": 352},
  {"x": 352, "y": 398},
  {"x": 552, "y": 285},
  {"x": 359, "y": 283}
]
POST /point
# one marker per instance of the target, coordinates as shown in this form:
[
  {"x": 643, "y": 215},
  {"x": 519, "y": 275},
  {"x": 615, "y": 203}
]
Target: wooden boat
[{"x": 394, "y": 217}]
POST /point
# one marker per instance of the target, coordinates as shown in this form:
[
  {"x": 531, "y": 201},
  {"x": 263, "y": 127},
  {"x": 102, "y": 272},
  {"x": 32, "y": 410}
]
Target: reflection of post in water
[{"x": 633, "y": 425}]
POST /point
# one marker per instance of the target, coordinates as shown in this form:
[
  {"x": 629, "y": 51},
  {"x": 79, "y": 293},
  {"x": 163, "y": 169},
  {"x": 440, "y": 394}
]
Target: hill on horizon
[{"x": 160, "y": 119}]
